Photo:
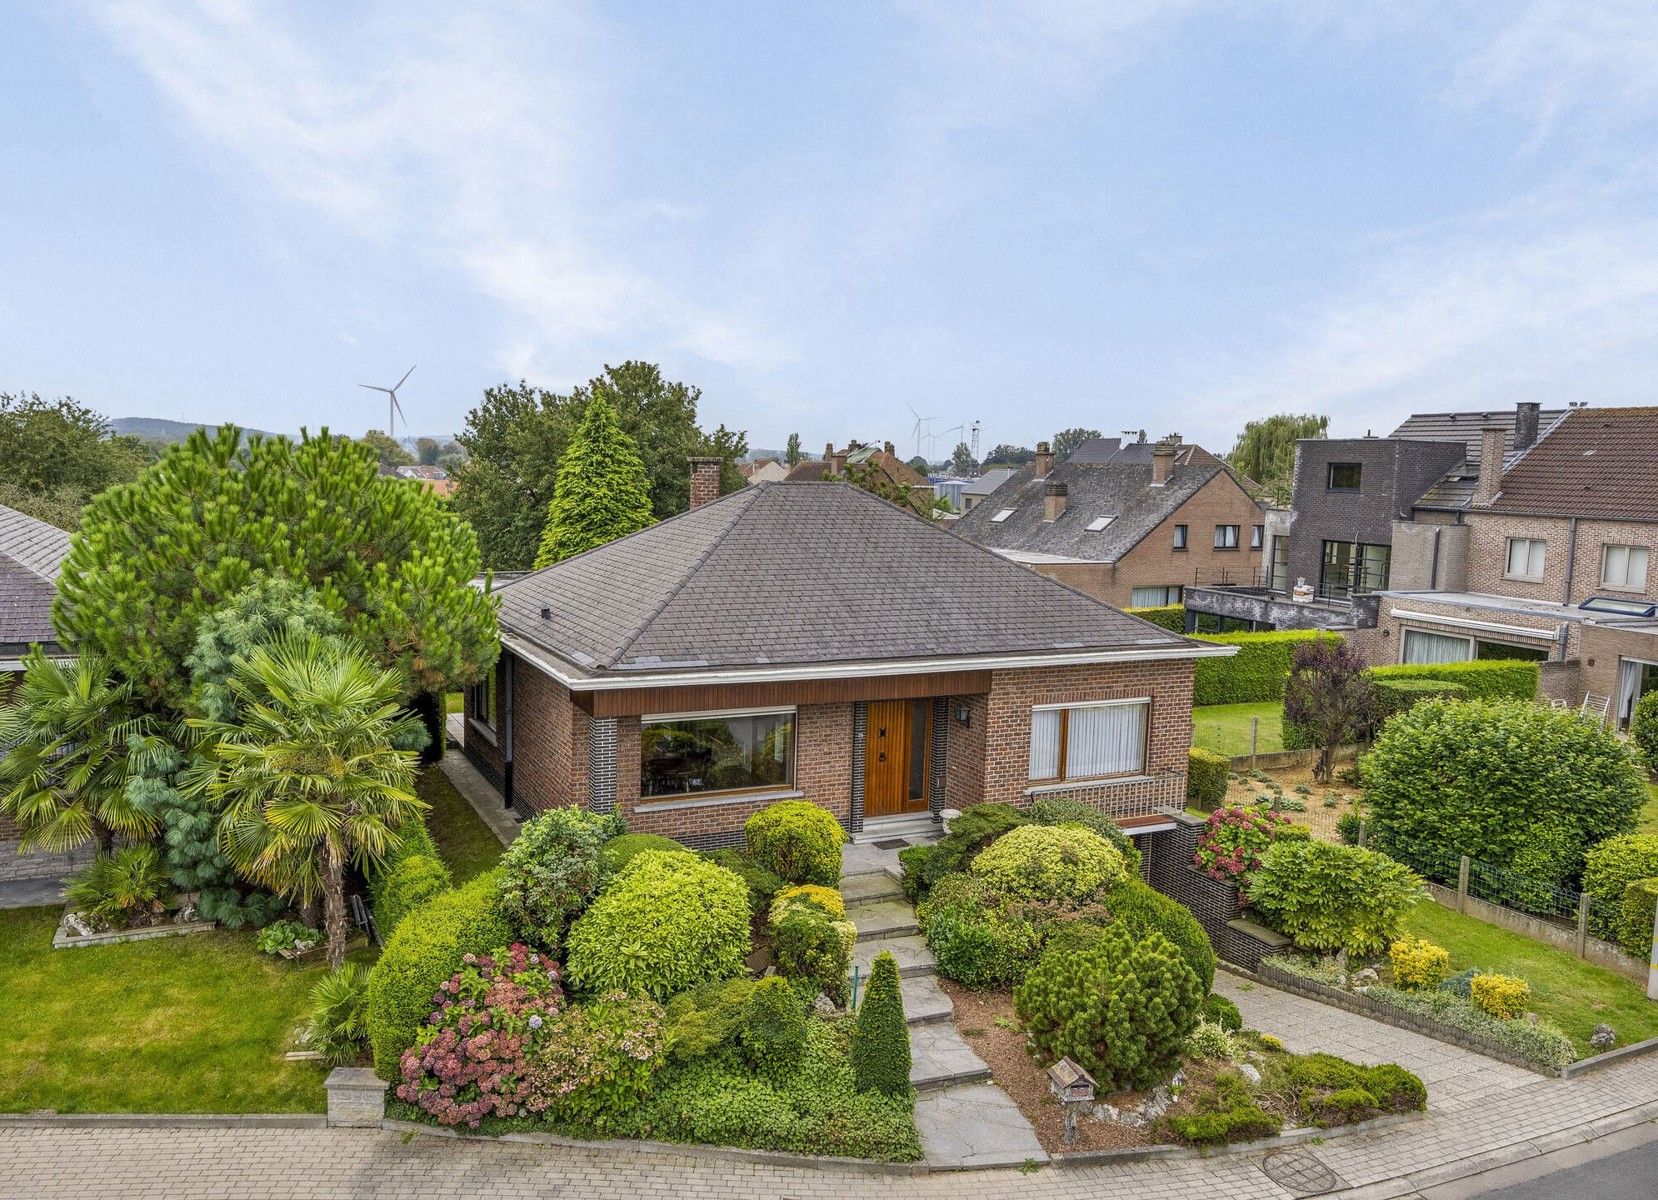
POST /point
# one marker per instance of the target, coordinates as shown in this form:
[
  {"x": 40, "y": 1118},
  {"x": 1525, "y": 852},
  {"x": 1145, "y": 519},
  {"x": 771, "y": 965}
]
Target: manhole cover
[
  {"x": 1299, "y": 1172},
  {"x": 892, "y": 844}
]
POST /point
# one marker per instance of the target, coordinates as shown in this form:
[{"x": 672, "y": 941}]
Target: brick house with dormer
[{"x": 812, "y": 641}]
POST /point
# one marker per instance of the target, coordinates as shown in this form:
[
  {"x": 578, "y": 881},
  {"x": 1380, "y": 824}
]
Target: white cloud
[{"x": 439, "y": 136}]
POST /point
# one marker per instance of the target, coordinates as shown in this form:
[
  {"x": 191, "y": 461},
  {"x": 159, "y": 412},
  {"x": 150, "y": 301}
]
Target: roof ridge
[{"x": 739, "y": 511}]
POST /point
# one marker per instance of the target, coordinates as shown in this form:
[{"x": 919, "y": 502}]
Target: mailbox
[{"x": 1070, "y": 1082}]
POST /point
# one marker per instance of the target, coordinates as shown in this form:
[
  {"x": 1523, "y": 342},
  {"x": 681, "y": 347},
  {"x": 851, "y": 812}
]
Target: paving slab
[
  {"x": 939, "y": 1058},
  {"x": 911, "y": 952},
  {"x": 975, "y": 1125},
  {"x": 870, "y": 885},
  {"x": 878, "y": 919},
  {"x": 924, "y": 1001}
]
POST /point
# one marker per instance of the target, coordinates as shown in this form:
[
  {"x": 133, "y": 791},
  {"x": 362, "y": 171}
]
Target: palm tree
[
  {"x": 307, "y": 777},
  {"x": 69, "y": 742}
]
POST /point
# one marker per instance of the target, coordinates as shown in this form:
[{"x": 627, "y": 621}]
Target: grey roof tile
[
  {"x": 31, "y": 552},
  {"x": 801, "y": 573}
]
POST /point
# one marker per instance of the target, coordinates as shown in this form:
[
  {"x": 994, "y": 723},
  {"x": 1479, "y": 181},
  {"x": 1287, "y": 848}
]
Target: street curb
[
  {"x": 1594, "y": 1063},
  {"x": 1294, "y": 1137},
  {"x": 776, "y": 1158}
]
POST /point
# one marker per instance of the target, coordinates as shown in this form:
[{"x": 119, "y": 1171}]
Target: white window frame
[
  {"x": 1542, "y": 558},
  {"x": 1099, "y": 523},
  {"x": 1404, "y": 643},
  {"x": 1629, "y": 553},
  {"x": 1060, "y": 777}
]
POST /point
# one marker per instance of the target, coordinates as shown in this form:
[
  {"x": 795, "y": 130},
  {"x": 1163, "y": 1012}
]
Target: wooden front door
[{"x": 895, "y": 757}]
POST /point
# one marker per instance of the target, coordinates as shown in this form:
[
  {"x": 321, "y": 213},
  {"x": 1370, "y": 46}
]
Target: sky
[{"x": 833, "y": 218}]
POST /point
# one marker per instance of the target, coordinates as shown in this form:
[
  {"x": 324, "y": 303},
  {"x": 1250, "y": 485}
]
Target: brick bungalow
[{"x": 811, "y": 641}]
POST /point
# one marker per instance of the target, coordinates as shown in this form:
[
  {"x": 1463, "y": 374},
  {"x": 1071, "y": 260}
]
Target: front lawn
[
  {"x": 1224, "y": 728},
  {"x": 1573, "y": 994},
  {"x": 466, "y": 843},
  {"x": 195, "y": 1024},
  {"x": 1647, "y": 820}
]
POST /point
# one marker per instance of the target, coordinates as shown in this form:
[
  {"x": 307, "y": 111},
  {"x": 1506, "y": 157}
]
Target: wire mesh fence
[{"x": 1486, "y": 881}]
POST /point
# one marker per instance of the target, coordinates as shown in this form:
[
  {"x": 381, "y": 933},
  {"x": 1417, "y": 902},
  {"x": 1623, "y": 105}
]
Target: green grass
[
  {"x": 1224, "y": 728},
  {"x": 465, "y": 842},
  {"x": 1575, "y": 995},
  {"x": 1647, "y": 821},
  {"x": 194, "y": 1024},
  {"x": 454, "y": 702}
]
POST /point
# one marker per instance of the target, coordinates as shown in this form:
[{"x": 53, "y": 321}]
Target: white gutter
[
  {"x": 859, "y": 670},
  {"x": 1405, "y": 614},
  {"x": 1033, "y": 557}
]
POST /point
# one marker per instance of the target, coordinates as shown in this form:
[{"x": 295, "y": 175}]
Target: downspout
[
  {"x": 1433, "y": 571},
  {"x": 1571, "y": 561},
  {"x": 506, "y": 734}
]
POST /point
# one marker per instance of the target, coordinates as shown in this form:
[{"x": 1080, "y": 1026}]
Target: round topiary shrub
[
  {"x": 796, "y": 841},
  {"x": 1608, "y": 870},
  {"x": 619, "y": 851},
  {"x": 1327, "y": 897},
  {"x": 1505, "y": 782},
  {"x": 1222, "y": 1012},
  {"x": 814, "y": 950},
  {"x": 553, "y": 868},
  {"x": 1144, "y": 909},
  {"x": 977, "y": 937},
  {"x": 1050, "y": 862},
  {"x": 1121, "y": 1011},
  {"x": 668, "y": 921},
  {"x": 976, "y": 828},
  {"x": 1062, "y": 810},
  {"x": 424, "y": 951},
  {"x": 773, "y": 1027}
]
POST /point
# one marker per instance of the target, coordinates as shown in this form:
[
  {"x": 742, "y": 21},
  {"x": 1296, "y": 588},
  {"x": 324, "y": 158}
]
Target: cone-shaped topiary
[
  {"x": 881, "y": 1042},
  {"x": 1120, "y": 1010},
  {"x": 774, "y": 1024},
  {"x": 602, "y": 492}
]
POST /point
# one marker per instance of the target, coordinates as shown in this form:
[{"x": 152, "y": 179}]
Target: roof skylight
[
  {"x": 1001, "y": 516},
  {"x": 1099, "y": 523}
]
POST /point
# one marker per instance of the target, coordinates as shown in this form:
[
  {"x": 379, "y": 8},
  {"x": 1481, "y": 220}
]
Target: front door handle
[{"x": 882, "y": 757}]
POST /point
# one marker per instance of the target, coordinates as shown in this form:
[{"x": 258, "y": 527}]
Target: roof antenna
[{"x": 393, "y": 408}]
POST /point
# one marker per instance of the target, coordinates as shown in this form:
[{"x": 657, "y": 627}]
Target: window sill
[
  {"x": 1071, "y": 785},
  {"x": 1224, "y": 549},
  {"x": 717, "y": 799},
  {"x": 1522, "y": 579},
  {"x": 488, "y": 734}
]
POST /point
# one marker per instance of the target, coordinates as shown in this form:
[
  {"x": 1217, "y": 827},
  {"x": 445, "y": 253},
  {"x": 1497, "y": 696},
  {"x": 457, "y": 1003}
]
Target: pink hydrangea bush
[
  {"x": 594, "y": 1064},
  {"x": 472, "y": 1055},
  {"x": 1237, "y": 837}
]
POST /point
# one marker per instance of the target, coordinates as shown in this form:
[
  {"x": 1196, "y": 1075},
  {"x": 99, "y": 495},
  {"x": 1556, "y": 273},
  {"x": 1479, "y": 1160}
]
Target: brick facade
[
  {"x": 557, "y": 760},
  {"x": 1488, "y": 556},
  {"x": 1154, "y": 562}
]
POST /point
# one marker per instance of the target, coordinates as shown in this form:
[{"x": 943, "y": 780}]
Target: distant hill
[{"x": 163, "y": 429}]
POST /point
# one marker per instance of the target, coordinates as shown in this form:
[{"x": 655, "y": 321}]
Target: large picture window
[
  {"x": 1088, "y": 741},
  {"x": 1431, "y": 649},
  {"x": 715, "y": 752}
]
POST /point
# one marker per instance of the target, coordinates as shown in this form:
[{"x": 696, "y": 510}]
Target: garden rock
[
  {"x": 1603, "y": 1038},
  {"x": 1250, "y": 1072},
  {"x": 1366, "y": 977}
]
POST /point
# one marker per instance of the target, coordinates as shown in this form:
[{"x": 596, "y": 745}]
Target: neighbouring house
[
  {"x": 882, "y": 460},
  {"x": 798, "y": 641},
  {"x": 1134, "y": 525},
  {"x": 434, "y": 479},
  {"x": 31, "y": 553},
  {"x": 763, "y": 470},
  {"x": 1356, "y": 524},
  {"x": 975, "y": 490}
]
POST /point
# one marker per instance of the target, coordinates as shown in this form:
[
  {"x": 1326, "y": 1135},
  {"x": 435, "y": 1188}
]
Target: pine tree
[
  {"x": 881, "y": 1041},
  {"x": 601, "y": 493},
  {"x": 156, "y": 556}
]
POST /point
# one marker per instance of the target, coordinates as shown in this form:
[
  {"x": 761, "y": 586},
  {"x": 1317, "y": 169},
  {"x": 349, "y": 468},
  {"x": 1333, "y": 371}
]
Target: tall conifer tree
[{"x": 602, "y": 492}]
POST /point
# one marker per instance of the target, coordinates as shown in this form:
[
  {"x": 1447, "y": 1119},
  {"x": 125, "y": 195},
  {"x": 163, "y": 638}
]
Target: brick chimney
[
  {"x": 1525, "y": 423},
  {"x": 833, "y": 464},
  {"x": 1162, "y": 459},
  {"x": 887, "y": 446},
  {"x": 1054, "y": 499},
  {"x": 1044, "y": 460},
  {"x": 1491, "y": 465},
  {"x": 705, "y": 481}
]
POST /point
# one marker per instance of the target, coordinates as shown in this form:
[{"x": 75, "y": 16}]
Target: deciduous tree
[
  {"x": 1067, "y": 440},
  {"x": 1329, "y": 694},
  {"x": 961, "y": 460},
  {"x": 791, "y": 455},
  {"x": 1265, "y": 451},
  {"x": 387, "y": 449},
  {"x": 58, "y": 454}
]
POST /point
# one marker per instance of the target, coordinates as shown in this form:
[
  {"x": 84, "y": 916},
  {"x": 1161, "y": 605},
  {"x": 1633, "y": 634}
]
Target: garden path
[
  {"x": 1456, "y": 1078},
  {"x": 964, "y": 1119}
]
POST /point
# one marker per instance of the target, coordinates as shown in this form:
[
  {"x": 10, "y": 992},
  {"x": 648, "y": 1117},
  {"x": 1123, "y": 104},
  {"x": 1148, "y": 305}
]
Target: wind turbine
[
  {"x": 393, "y": 409},
  {"x": 919, "y": 422}
]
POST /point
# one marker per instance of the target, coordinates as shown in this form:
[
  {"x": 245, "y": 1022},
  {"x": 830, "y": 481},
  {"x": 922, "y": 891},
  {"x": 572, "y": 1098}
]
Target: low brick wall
[
  {"x": 40, "y": 864},
  {"x": 1355, "y": 1002},
  {"x": 1214, "y": 902}
]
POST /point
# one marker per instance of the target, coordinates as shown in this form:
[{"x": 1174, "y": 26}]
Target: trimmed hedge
[
  {"x": 1609, "y": 869},
  {"x": 1167, "y": 616},
  {"x": 1643, "y": 730},
  {"x": 410, "y": 884},
  {"x": 1144, "y": 909},
  {"x": 416, "y": 843},
  {"x": 1256, "y": 672},
  {"x": 1481, "y": 679},
  {"x": 424, "y": 952},
  {"x": 619, "y": 851},
  {"x": 1206, "y": 774}
]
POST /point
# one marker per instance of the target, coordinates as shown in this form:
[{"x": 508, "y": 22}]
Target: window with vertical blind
[
  {"x": 1623, "y": 567},
  {"x": 1525, "y": 558},
  {"x": 1431, "y": 649},
  {"x": 1088, "y": 741}
]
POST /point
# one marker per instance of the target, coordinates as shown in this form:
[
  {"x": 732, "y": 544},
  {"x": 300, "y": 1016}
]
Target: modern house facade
[
  {"x": 808, "y": 641},
  {"x": 1133, "y": 525}
]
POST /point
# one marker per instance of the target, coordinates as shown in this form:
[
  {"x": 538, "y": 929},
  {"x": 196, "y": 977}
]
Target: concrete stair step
[
  {"x": 925, "y": 1003},
  {"x": 919, "y": 828},
  {"x": 940, "y": 1059},
  {"x": 878, "y": 920},
  {"x": 914, "y": 959},
  {"x": 872, "y": 885}
]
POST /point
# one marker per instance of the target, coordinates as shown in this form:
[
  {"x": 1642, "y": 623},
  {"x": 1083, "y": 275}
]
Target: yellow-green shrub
[
  {"x": 1050, "y": 862},
  {"x": 1418, "y": 963},
  {"x": 826, "y": 899},
  {"x": 1500, "y": 995}
]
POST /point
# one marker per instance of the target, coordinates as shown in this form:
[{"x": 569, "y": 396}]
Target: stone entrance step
[
  {"x": 974, "y": 1125},
  {"x": 881, "y": 919},
  {"x": 918, "y": 828},
  {"x": 873, "y": 885},
  {"x": 925, "y": 1003},
  {"x": 911, "y": 952},
  {"x": 940, "y": 1059}
]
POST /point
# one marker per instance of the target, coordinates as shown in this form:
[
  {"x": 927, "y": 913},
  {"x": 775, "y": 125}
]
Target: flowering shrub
[
  {"x": 1418, "y": 963},
  {"x": 594, "y": 1063},
  {"x": 1502, "y": 996},
  {"x": 1237, "y": 837},
  {"x": 470, "y": 1059},
  {"x": 1329, "y": 898}
]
